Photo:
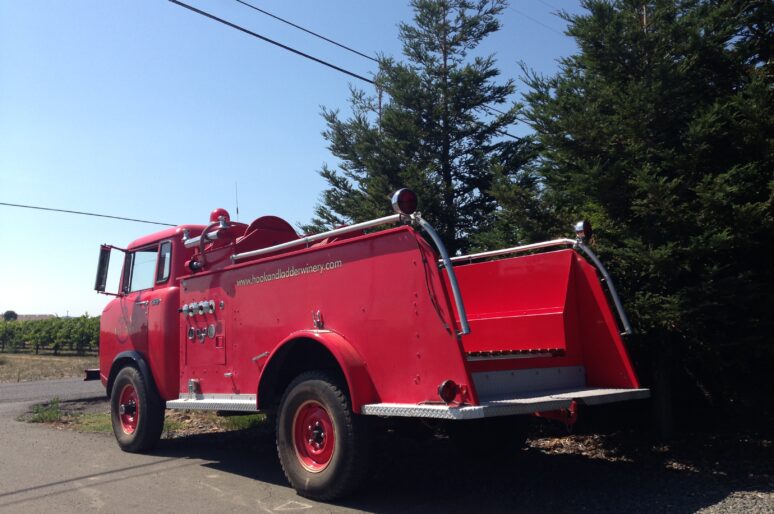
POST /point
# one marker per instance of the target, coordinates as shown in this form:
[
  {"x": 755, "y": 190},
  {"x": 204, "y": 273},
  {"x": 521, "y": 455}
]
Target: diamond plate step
[{"x": 539, "y": 401}]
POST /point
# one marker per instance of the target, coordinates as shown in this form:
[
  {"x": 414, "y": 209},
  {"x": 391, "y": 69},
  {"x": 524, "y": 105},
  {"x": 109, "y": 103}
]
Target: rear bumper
[
  {"x": 502, "y": 406},
  {"x": 91, "y": 374}
]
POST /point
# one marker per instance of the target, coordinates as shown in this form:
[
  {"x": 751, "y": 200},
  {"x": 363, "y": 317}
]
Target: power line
[
  {"x": 264, "y": 38},
  {"x": 537, "y": 21},
  {"x": 299, "y": 27},
  {"x": 494, "y": 109},
  {"x": 549, "y": 5},
  {"x": 85, "y": 213},
  {"x": 285, "y": 47},
  {"x": 315, "y": 34}
]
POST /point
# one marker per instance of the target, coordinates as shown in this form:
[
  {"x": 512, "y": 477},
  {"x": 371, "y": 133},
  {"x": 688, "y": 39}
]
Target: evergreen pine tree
[
  {"x": 435, "y": 131},
  {"x": 661, "y": 131}
]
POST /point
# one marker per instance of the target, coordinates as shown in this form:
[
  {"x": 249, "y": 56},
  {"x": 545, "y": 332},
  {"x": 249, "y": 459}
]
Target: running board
[
  {"x": 501, "y": 406},
  {"x": 224, "y": 402}
]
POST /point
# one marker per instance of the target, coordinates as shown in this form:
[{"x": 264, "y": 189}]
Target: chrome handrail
[
  {"x": 514, "y": 249},
  {"x": 455, "y": 287},
  {"x": 610, "y": 286},
  {"x": 393, "y": 218}
]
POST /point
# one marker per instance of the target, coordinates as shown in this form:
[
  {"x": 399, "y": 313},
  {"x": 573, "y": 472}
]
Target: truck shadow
[{"x": 410, "y": 475}]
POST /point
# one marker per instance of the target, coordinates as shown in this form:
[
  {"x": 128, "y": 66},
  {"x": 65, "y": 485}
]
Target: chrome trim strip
[
  {"x": 450, "y": 272},
  {"x": 394, "y": 218},
  {"x": 515, "y": 249}
]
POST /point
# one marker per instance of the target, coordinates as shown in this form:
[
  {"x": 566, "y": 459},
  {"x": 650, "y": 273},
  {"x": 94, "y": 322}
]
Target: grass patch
[
  {"x": 93, "y": 423},
  {"x": 244, "y": 422},
  {"x": 172, "y": 426},
  {"x": 46, "y": 412},
  {"x": 176, "y": 423},
  {"x": 23, "y": 368},
  {"x": 95, "y": 418}
]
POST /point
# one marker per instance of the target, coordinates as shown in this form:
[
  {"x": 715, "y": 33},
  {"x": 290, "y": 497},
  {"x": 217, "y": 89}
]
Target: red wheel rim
[
  {"x": 128, "y": 409},
  {"x": 313, "y": 436}
]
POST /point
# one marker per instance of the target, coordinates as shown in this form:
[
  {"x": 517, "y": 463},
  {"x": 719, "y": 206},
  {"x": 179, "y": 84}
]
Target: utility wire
[
  {"x": 494, "y": 109},
  {"x": 549, "y": 5},
  {"x": 285, "y": 47},
  {"x": 537, "y": 21},
  {"x": 85, "y": 214},
  {"x": 299, "y": 27},
  {"x": 264, "y": 38}
]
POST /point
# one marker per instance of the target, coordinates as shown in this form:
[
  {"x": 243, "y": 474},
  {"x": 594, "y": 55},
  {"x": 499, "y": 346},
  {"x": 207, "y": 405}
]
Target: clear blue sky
[{"x": 146, "y": 110}]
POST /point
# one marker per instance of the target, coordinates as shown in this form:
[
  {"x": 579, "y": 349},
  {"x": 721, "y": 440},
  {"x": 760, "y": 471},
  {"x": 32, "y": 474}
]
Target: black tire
[
  {"x": 137, "y": 424},
  {"x": 316, "y": 476}
]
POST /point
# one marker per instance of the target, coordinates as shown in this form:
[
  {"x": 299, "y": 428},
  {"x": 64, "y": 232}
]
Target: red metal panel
[
  {"x": 532, "y": 331},
  {"x": 163, "y": 338},
  {"x": 604, "y": 355},
  {"x": 562, "y": 291},
  {"x": 123, "y": 327},
  {"x": 516, "y": 303},
  {"x": 372, "y": 290}
]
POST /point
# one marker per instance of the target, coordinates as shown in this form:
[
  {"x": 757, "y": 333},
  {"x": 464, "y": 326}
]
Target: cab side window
[
  {"x": 139, "y": 269},
  {"x": 165, "y": 262},
  {"x": 147, "y": 266}
]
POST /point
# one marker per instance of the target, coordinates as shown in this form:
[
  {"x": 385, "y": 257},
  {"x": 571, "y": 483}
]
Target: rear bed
[{"x": 542, "y": 335}]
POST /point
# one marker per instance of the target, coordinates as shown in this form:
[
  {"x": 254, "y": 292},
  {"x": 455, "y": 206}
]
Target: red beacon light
[
  {"x": 404, "y": 201},
  {"x": 219, "y": 213}
]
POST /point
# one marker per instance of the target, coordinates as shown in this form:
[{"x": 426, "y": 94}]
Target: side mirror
[
  {"x": 102, "y": 268},
  {"x": 100, "y": 283}
]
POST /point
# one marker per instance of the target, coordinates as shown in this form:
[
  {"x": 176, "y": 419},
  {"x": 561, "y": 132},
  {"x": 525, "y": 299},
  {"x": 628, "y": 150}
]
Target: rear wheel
[
  {"x": 322, "y": 445},
  {"x": 137, "y": 411}
]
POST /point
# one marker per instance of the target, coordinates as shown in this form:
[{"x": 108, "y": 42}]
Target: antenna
[{"x": 236, "y": 198}]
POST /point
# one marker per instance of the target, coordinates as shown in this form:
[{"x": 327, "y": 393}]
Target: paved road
[
  {"x": 48, "y": 470},
  {"x": 65, "y": 389}
]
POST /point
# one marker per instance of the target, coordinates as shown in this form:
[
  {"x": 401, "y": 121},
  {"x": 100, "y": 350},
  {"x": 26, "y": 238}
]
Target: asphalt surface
[
  {"x": 65, "y": 389},
  {"x": 43, "y": 469}
]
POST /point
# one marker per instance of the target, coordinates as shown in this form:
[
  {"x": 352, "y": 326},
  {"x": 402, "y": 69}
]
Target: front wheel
[
  {"x": 136, "y": 411},
  {"x": 322, "y": 445}
]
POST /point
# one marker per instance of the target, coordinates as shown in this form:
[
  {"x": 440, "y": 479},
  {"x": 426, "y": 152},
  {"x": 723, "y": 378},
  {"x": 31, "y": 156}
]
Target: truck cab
[{"x": 141, "y": 322}]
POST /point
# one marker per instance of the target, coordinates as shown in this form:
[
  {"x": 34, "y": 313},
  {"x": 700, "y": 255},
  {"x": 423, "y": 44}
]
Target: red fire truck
[{"x": 330, "y": 332}]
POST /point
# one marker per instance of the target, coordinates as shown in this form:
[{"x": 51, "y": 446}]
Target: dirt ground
[{"x": 15, "y": 367}]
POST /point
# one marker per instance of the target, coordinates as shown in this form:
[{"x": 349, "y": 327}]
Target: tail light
[{"x": 448, "y": 391}]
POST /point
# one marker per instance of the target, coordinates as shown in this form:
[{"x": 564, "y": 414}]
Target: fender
[
  {"x": 352, "y": 365},
  {"x": 138, "y": 360}
]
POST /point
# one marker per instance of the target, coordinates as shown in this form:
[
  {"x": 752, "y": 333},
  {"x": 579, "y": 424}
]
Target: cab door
[{"x": 137, "y": 284}]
